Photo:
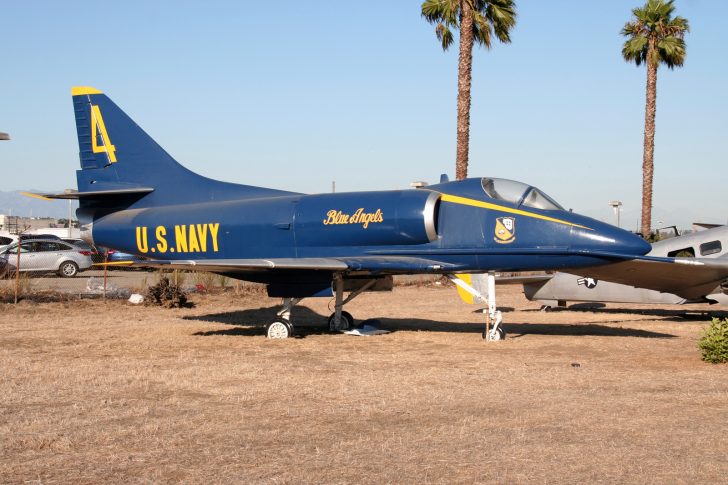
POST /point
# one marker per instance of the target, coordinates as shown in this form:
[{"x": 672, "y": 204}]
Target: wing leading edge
[{"x": 365, "y": 264}]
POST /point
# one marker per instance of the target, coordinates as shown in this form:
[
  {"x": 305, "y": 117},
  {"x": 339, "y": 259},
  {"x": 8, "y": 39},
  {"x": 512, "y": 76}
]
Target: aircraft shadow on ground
[
  {"x": 676, "y": 315},
  {"x": 307, "y": 322}
]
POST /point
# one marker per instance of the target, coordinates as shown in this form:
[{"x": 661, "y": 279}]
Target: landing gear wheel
[
  {"x": 68, "y": 269},
  {"x": 278, "y": 329},
  {"x": 347, "y": 321},
  {"x": 499, "y": 334}
]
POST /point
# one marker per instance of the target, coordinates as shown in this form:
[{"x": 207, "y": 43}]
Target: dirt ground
[{"x": 95, "y": 391}]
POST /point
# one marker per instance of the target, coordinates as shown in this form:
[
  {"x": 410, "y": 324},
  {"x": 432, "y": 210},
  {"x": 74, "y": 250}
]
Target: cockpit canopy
[{"x": 518, "y": 193}]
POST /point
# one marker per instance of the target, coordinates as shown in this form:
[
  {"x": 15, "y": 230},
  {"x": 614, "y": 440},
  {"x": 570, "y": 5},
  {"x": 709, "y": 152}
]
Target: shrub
[
  {"x": 714, "y": 343},
  {"x": 204, "y": 279},
  {"x": 167, "y": 294}
]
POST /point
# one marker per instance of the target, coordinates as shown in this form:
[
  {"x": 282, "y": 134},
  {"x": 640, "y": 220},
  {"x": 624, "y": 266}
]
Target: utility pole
[
  {"x": 617, "y": 206},
  {"x": 70, "y": 215}
]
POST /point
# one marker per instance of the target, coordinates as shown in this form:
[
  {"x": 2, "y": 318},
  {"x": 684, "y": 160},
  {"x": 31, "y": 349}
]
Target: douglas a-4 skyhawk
[{"x": 136, "y": 198}]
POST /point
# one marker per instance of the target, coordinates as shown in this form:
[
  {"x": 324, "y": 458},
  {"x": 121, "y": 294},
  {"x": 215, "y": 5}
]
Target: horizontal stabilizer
[{"x": 98, "y": 194}]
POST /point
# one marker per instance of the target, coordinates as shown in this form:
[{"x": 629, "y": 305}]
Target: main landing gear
[
  {"x": 339, "y": 320},
  {"x": 282, "y": 327},
  {"x": 493, "y": 330}
]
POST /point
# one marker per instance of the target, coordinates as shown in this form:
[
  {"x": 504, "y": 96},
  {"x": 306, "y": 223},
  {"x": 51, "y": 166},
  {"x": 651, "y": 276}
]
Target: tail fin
[
  {"x": 115, "y": 152},
  {"x": 118, "y": 157}
]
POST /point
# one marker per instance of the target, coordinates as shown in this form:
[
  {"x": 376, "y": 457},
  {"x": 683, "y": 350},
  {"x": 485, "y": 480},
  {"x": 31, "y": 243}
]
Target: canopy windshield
[{"x": 518, "y": 193}]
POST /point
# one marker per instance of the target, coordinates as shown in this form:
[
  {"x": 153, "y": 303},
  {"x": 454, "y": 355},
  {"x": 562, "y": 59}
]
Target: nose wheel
[{"x": 496, "y": 332}]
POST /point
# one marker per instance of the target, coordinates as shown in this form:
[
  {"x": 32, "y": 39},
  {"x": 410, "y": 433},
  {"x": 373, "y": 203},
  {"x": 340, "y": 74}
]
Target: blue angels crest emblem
[{"x": 505, "y": 230}]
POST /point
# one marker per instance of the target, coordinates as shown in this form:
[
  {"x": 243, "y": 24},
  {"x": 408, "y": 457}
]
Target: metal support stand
[
  {"x": 336, "y": 322},
  {"x": 339, "y": 305}
]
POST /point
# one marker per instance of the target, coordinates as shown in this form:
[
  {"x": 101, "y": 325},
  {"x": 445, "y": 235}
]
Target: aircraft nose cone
[
  {"x": 610, "y": 239},
  {"x": 628, "y": 243}
]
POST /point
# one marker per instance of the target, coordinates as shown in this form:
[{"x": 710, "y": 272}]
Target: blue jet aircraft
[{"x": 136, "y": 198}]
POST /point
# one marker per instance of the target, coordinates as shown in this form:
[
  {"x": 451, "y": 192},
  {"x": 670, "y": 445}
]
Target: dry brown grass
[{"x": 95, "y": 391}]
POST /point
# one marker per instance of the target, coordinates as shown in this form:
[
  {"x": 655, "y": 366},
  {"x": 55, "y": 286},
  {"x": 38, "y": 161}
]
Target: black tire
[
  {"x": 500, "y": 335},
  {"x": 279, "y": 329},
  {"x": 68, "y": 269},
  {"x": 347, "y": 321},
  {"x": 352, "y": 323}
]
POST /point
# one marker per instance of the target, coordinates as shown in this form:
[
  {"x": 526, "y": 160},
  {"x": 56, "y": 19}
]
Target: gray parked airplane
[{"x": 702, "y": 278}]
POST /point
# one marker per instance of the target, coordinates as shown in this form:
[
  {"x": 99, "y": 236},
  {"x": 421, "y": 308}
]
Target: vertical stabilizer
[{"x": 117, "y": 155}]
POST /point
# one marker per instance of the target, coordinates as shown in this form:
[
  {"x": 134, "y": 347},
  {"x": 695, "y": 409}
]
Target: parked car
[
  {"x": 47, "y": 256},
  {"x": 27, "y": 237},
  {"x": 114, "y": 256},
  {"x": 78, "y": 242},
  {"x": 6, "y": 241},
  {"x": 97, "y": 257}
]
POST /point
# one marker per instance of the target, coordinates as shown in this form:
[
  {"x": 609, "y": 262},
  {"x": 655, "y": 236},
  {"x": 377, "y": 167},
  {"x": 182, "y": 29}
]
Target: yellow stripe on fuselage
[{"x": 487, "y": 205}]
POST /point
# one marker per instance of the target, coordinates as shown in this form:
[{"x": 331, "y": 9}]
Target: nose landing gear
[{"x": 493, "y": 330}]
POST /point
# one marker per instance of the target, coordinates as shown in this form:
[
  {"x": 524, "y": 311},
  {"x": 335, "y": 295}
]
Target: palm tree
[
  {"x": 478, "y": 21},
  {"x": 654, "y": 38}
]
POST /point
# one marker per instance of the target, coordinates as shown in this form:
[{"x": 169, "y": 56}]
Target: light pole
[
  {"x": 617, "y": 206},
  {"x": 70, "y": 216}
]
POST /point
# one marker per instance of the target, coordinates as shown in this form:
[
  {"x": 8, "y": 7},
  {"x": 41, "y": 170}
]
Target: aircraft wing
[
  {"x": 523, "y": 279},
  {"x": 689, "y": 278},
  {"x": 367, "y": 264}
]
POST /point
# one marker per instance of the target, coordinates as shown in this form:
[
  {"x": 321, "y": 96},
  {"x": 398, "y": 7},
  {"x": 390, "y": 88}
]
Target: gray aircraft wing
[
  {"x": 689, "y": 278},
  {"x": 363, "y": 264}
]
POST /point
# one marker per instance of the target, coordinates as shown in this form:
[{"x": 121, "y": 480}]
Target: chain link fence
[{"x": 40, "y": 266}]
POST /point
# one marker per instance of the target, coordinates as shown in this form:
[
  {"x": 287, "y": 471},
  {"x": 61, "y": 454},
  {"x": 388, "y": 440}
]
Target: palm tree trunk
[
  {"x": 649, "y": 143},
  {"x": 465, "y": 65}
]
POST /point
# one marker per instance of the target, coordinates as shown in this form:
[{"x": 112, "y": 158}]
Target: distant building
[{"x": 33, "y": 225}]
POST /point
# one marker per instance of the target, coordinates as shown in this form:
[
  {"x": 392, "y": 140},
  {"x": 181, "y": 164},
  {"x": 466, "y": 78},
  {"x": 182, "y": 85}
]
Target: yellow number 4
[{"x": 99, "y": 128}]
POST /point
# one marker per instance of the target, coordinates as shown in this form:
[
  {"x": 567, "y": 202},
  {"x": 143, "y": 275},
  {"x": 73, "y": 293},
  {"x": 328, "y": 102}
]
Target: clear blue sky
[{"x": 296, "y": 94}]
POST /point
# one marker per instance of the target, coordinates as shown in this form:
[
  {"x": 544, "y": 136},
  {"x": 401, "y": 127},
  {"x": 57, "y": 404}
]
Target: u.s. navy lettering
[{"x": 180, "y": 238}]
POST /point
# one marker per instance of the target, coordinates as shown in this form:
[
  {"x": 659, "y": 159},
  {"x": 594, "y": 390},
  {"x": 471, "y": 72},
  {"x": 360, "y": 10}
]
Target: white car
[
  {"x": 7, "y": 240},
  {"x": 47, "y": 256}
]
